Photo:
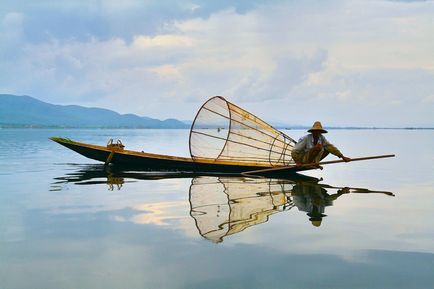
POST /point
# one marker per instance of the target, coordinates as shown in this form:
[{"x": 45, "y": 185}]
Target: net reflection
[{"x": 223, "y": 206}]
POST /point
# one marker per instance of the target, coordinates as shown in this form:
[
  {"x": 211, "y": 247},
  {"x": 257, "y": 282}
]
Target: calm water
[{"x": 67, "y": 223}]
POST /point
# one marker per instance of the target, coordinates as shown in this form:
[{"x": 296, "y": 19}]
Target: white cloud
[
  {"x": 429, "y": 99},
  {"x": 11, "y": 31},
  {"x": 319, "y": 57},
  {"x": 12, "y": 22},
  {"x": 162, "y": 41}
]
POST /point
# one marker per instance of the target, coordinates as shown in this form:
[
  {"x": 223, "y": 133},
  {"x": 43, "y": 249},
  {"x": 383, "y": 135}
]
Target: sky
[{"x": 346, "y": 63}]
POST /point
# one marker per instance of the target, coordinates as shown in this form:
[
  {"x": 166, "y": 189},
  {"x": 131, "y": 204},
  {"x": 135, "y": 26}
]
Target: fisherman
[{"x": 314, "y": 147}]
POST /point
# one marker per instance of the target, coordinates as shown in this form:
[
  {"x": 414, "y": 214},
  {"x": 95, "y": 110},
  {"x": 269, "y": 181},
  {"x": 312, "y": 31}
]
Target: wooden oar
[
  {"x": 315, "y": 164},
  {"x": 358, "y": 190}
]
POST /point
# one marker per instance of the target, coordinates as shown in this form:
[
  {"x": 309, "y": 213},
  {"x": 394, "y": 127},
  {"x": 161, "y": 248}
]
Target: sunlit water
[{"x": 67, "y": 223}]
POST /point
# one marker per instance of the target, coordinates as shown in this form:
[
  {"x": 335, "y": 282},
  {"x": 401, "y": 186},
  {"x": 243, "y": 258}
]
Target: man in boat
[{"x": 314, "y": 147}]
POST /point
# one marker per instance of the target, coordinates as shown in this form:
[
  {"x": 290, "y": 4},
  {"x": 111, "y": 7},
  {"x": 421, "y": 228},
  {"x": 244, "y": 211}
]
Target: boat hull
[{"x": 146, "y": 161}]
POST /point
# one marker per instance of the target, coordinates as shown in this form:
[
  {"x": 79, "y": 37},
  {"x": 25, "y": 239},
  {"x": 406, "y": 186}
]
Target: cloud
[
  {"x": 157, "y": 67},
  {"x": 429, "y": 99},
  {"x": 381, "y": 98},
  {"x": 278, "y": 83},
  {"x": 63, "y": 19},
  {"x": 409, "y": 1},
  {"x": 11, "y": 32},
  {"x": 12, "y": 23},
  {"x": 171, "y": 41},
  {"x": 325, "y": 58}
]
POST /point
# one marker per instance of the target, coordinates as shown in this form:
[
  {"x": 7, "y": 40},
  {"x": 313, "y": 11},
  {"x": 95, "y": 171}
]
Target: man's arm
[
  {"x": 302, "y": 142},
  {"x": 334, "y": 150}
]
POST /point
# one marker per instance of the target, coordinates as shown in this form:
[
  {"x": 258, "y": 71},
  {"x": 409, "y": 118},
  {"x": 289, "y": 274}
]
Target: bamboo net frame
[
  {"x": 222, "y": 131},
  {"x": 225, "y": 206}
]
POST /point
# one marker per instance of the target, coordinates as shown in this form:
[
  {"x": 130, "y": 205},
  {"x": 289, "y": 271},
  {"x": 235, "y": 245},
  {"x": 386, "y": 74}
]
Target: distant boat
[{"x": 242, "y": 143}]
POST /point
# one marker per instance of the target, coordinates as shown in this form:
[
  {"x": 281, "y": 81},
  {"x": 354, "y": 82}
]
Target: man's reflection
[{"x": 313, "y": 198}]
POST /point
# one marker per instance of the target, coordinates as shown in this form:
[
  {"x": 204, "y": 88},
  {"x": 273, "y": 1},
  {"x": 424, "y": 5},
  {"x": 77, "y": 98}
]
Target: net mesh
[
  {"x": 223, "y": 131},
  {"x": 225, "y": 206}
]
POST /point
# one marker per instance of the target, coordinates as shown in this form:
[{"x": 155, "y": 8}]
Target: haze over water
[{"x": 67, "y": 223}]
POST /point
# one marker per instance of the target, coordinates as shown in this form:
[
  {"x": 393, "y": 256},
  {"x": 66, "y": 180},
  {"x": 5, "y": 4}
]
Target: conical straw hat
[{"x": 318, "y": 127}]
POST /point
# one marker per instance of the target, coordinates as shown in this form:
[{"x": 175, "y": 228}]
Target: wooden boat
[
  {"x": 224, "y": 138},
  {"x": 150, "y": 161}
]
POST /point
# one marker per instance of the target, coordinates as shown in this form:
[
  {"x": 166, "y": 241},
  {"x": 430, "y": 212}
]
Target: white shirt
[{"x": 306, "y": 143}]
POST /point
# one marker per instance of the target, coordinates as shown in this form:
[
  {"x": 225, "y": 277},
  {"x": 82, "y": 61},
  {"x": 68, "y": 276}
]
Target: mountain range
[
  {"x": 20, "y": 111},
  {"x": 26, "y": 111}
]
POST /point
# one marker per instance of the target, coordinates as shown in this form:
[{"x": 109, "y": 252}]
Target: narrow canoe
[{"x": 149, "y": 161}]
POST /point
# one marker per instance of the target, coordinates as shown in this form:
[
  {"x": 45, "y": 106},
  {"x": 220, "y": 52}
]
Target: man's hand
[
  {"x": 317, "y": 147},
  {"x": 345, "y": 190},
  {"x": 346, "y": 159}
]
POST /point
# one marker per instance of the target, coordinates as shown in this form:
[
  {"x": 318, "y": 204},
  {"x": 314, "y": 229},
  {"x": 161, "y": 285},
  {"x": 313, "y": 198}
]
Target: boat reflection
[
  {"x": 223, "y": 205},
  {"x": 115, "y": 178}
]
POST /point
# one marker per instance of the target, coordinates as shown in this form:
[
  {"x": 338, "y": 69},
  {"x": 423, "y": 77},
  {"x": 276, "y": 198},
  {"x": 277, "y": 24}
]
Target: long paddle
[
  {"x": 315, "y": 164},
  {"x": 357, "y": 190}
]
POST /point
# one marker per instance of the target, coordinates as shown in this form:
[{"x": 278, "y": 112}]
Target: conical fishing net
[{"x": 223, "y": 131}]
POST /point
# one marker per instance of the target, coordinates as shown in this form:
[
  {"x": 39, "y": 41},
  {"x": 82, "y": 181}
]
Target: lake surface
[{"x": 65, "y": 222}]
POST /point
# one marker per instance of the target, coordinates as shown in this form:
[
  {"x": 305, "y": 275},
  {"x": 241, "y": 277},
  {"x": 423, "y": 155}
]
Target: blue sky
[{"x": 364, "y": 63}]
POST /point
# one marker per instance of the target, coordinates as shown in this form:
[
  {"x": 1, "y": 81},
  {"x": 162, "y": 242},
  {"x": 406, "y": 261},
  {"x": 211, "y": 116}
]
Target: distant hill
[{"x": 26, "y": 111}]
